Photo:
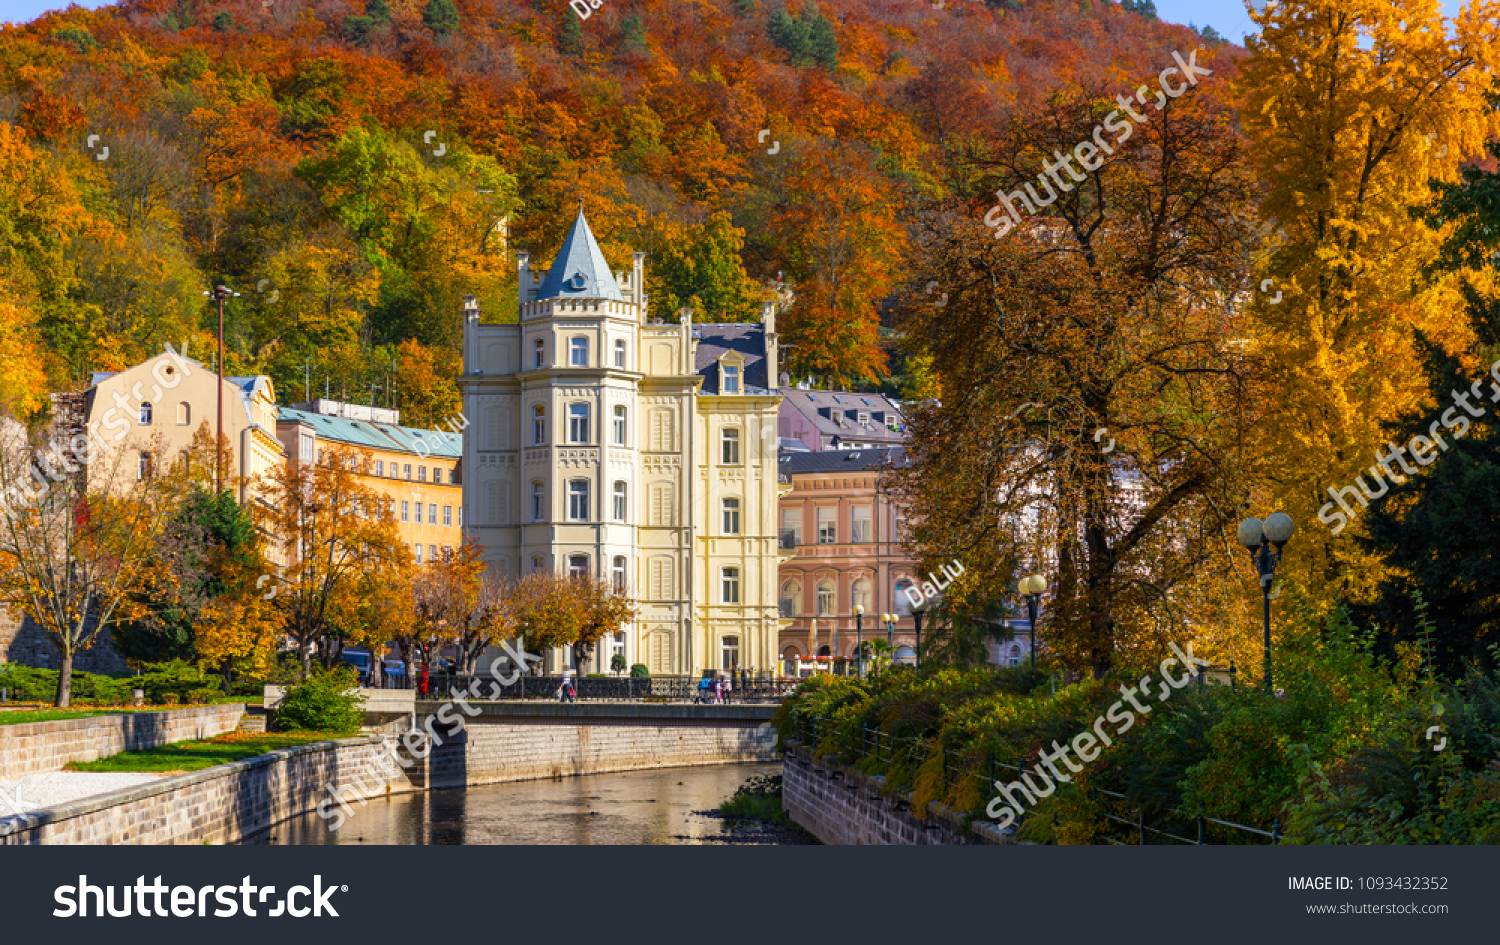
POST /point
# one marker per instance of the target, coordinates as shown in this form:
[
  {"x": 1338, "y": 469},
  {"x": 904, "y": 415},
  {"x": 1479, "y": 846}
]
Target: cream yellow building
[
  {"x": 144, "y": 418},
  {"x": 419, "y": 471},
  {"x": 612, "y": 445}
]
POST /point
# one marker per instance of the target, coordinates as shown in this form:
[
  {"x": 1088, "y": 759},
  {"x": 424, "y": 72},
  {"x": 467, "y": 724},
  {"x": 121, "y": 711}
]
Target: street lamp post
[
  {"x": 859, "y": 636},
  {"x": 1032, "y": 587},
  {"x": 1264, "y": 541},
  {"x": 916, "y": 616},
  {"x": 220, "y": 293},
  {"x": 890, "y": 629}
]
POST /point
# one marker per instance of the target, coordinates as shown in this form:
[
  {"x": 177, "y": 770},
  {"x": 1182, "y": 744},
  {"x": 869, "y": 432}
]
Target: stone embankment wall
[
  {"x": 839, "y": 805},
  {"x": 526, "y": 741},
  {"x": 222, "y": 804},
  {"x": 37, "y": 747}
]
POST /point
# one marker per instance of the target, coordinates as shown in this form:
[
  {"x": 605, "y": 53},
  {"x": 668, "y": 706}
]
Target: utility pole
[{"x": 220, "y": 293}]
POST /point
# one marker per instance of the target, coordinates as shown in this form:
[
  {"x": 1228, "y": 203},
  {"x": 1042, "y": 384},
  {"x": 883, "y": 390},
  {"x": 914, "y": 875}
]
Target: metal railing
[
  {"x": 787, "y": 540},
  {"x": 745, "y": 687},
  {"x": 915, "y": 752}
]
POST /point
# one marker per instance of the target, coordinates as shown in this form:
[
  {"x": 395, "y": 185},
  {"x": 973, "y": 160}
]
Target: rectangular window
[
  {"x": 538, "y": 425},
  {"x": 408, "y": 472},
  {"x": 731, "y": 585},
  {"x": 460, "y": 516},
  {"x": 578, "y": 352},
  {"x": 421, "y": 473},
  {"x": 539, "y": 358},
  {"x": 731, "y": 516},
  {"x": 730, "y": 454},
  {"x": 578, "y": 500},
  {"x": 419, "y": 552},
  {"x": 827, "y": 526},
  {"x": 731, "y": 660},
  {"x": 619, "y": 502},
  {"x": 619, "y": 354},
  {"x": 432, "y": 514},
  {"x": 619, "y": 574},
  {"x": 448, "y": 516},
  {"x": 619, "y": 426},
  {"x": 419, "y": 513},
  {"x": 791, "y": 521},
  {"x": 536, "y": 562},
  {"x": 859, "y": 530},
  {"x": 432, "y": 553},
  {"x": 380, "y": 467},
  {"x": 143, "y": 469},
  {"x": 538, "y": 502},
  {"x": 405, "y": 510},
  {"x": 731, "y": 379},
  {"x": 578, "y": 566},
  {"x": 578, "y": 423}
]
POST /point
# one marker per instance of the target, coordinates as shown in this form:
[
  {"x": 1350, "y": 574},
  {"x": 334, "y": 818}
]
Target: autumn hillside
[{"x": 353, "y": 168}]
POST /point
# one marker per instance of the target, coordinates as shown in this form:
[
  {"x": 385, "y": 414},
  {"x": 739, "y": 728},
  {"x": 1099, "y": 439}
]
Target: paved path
[{"x": 37, "y": 791}]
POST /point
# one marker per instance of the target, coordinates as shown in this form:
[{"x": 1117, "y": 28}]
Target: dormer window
[
  {"x": 731, "y": 378},
  {"x": 578, "y": 281}
]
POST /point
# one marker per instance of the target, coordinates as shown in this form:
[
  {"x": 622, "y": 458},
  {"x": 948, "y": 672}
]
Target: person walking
[{"x": 566, "y": 692}]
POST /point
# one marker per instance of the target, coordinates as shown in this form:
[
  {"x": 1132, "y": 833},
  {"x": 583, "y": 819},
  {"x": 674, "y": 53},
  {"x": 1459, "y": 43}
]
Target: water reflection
[{"x": 636, "y": 807}]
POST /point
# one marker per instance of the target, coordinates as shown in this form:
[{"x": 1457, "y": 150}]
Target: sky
[{"x": 1226, "y": 16}]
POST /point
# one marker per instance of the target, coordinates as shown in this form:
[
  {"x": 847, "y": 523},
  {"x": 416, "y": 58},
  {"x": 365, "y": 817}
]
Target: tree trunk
[
  {"x": 65, "y": 681},
  {"x": 306, "y": 655}
]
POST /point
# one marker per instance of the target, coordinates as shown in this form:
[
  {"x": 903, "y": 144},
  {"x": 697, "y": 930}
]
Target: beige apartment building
[
  {"x": 144, "y": 418},
  {"x": 419, "y": 471}
]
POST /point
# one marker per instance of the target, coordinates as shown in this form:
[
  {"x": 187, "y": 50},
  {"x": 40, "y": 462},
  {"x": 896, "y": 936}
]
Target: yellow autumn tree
[{"x": 1351, "y": 106}]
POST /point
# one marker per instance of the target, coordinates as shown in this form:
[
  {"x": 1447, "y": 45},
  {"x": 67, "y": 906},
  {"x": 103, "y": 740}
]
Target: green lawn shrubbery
[
  {"x": 1340, "y": 757},
  {"x": 328, "y": 701},
  {"x": 173, "y": 683}
]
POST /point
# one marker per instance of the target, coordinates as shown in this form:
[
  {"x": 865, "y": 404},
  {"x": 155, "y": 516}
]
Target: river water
[{"x": 635, "y": 807}]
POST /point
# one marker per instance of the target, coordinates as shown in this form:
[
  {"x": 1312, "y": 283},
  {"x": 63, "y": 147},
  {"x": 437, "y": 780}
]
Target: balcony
[
  {"x": 786, "y": 608},
  {"x": 786, "y": 541}
]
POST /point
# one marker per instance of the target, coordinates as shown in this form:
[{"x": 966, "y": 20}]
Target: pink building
[{"x": 849, "y": 552}]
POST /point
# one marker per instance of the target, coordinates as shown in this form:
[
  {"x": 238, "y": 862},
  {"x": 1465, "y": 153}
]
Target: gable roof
[
  {"x": 580, "y": 271},
  {"x": 746, "y": 340},
  {"x": 833, "y": 461}
]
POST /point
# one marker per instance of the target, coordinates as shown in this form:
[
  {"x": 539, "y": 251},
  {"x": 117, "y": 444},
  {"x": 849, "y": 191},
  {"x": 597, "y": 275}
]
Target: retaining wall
[
  {"x": 37, "y": 747},
  {"x": 217, "y": 805},
  {"x": 527, "y": 741},
  {"x": 839, "y": 805}
]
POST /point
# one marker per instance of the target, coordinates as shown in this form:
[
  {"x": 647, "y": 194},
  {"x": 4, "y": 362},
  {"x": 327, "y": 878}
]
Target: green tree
[
  {"x": 223, "y": 21},
  {"x": 441, "y": 17},
  {"x": 822, "y": 44},
  {"x": 703, "y": 271},
  {"x": 570, "y": 37},
  {"x": 789, "y": 33},
  {"x": 633, "y": 34}
]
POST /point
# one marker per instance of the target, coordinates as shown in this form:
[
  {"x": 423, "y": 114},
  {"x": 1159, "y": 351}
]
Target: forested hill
[{"x": 354, "y": 167}]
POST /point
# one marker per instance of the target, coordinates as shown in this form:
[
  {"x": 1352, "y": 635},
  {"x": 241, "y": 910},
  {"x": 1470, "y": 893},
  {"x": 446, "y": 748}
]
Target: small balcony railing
[{"x": 787, "y": 540}]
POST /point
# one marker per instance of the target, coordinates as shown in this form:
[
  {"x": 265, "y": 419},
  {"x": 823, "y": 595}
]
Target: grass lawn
[
  {"x": 182, "y": 757},
  {"x": 23, "y": 716}
]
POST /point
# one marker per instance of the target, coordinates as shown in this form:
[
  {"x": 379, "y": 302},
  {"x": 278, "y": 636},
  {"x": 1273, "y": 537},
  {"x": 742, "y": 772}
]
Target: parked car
[
  {"x": 393, "y": 668},
  {"x": 360, "y": 660}
]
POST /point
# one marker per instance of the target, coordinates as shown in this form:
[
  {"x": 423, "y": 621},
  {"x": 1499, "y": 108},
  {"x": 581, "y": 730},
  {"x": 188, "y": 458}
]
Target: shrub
[
  {"x": 639, "y": 671},
  {"x": 177, "y": 677},
  {"x": 617, "y": 663},
  {"x": 203, "y": 696},
  {"x": 328, "y": 701},
  {"x": 169, "y": 698}
]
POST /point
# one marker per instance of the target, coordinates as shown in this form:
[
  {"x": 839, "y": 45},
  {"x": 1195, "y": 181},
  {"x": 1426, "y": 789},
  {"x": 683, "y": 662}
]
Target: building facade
[
  {"x": 600, "y": 446},
  {"x": 419, "y": 471},
  {"x": 850, "y": 551},
  {"x": 145, "y": 418}
]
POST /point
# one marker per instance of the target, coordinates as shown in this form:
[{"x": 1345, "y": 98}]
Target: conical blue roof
[{"x": 579, "y": 270}]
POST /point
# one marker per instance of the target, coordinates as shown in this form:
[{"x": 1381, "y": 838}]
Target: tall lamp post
[
  {"x": 220, "y": 293},
  {"x": 916, "y": 616},
  {"x": 1264, "y": 541},
  {"x": 1032, "y": 588},
  {"x": 859, "y": 636}
]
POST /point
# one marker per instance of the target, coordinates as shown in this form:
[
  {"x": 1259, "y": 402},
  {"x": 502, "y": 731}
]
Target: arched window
[
  {"x": 791, "y": 599},
  {"x": 903, "y": 603},
  {"x": 862, "y": 594},
  {"x": 578, "y": 352},
  {"x": 184, "y": 414},
  {"x": 538, "y": 425},
  {"x": 146, "y": 414},
  {"x": 539, "y": 354},
  {"x": 619, "y": 502},
  {"x": 826, "y": 598},
  {"x": 731, "y": 447},
  {"x": 578, "y": 423},
  {"x": 578, "y": 566},
  {"x": 731, "y": 516},
  {"x": 578, "y": 500},
  {"x": 619, "y": 425}
]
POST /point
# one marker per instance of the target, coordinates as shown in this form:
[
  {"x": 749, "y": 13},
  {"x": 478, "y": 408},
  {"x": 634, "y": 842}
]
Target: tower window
[{"x": 578, "y": 352}]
